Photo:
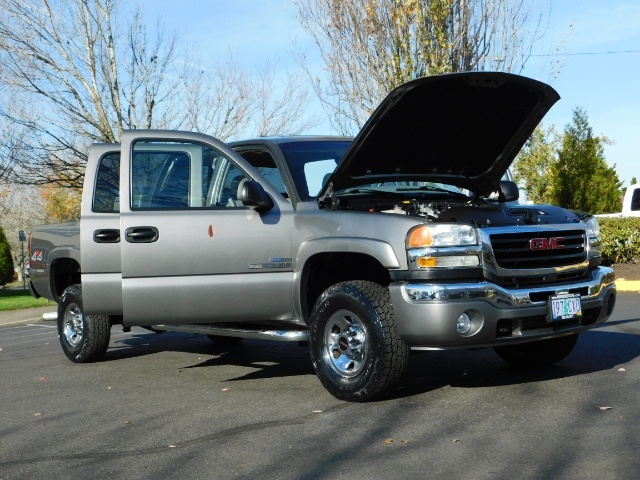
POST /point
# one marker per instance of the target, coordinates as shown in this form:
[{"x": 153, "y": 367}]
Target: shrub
[
  {"x": 620, "y": 239},
  {"x": 6, "y": 261}
]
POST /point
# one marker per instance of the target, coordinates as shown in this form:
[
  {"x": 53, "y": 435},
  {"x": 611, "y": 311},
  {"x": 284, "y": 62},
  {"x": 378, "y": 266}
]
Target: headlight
[
  {"x": 593, "y": 227},
  {"x": 442, "y": 235}
]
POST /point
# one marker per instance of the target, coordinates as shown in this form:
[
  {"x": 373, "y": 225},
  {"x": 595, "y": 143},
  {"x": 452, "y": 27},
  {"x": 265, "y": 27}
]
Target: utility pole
[{"x": 23, "y": 238}]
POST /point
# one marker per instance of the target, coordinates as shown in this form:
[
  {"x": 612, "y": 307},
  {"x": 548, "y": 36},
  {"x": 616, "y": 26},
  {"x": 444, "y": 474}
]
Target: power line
[{"x": 567, "y": 54}]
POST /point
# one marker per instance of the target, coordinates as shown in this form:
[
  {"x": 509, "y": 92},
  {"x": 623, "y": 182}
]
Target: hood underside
[{"x": 461, "y": 129}]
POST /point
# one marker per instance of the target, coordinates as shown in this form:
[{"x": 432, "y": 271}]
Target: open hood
[{"x": 461, "y": 129}]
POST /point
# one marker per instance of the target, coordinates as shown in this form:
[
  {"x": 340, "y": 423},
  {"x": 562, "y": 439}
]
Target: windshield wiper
[{"x": 366, "y": 190}]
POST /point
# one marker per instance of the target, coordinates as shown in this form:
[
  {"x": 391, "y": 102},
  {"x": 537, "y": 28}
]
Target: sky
[{"x": 599, "y": 42}]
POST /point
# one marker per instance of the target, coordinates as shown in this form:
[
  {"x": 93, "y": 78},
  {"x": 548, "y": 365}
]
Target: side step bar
[{"x": 279, "y": 335}]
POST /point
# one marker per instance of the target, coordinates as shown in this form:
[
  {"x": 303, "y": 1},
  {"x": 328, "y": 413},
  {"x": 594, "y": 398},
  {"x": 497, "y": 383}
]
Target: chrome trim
[
  {"x": 501, "y": 297},
  {"x": 279, "y": 335}
]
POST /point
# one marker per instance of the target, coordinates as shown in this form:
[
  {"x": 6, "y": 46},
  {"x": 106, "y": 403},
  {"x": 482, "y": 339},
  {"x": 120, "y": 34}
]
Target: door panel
[
  {"x": 100, "y": 234},
  {"x": 210, "y": 259}
]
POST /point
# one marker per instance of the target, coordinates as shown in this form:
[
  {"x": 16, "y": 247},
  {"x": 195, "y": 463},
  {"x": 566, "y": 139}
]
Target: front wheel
[
  {"x": 354, "y": 344},
  {"x": 538, "y": 354},
  {"x": 83, "y": 338}
]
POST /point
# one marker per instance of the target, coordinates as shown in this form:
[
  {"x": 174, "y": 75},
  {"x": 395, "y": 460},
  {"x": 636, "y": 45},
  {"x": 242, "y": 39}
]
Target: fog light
[{"x": 464, "y": 324}]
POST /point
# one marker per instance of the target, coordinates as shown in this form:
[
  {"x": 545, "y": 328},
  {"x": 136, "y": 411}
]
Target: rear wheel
[
  {"x": 354, "y": 345},
  {"x": 538, "y": 354},
  {"x": 83, "y": 338}
]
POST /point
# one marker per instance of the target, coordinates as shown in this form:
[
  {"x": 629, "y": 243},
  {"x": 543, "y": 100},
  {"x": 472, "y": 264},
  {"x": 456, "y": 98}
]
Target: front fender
[{"x": 382, "y": 251}]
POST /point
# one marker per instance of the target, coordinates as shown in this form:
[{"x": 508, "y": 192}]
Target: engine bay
[{"x": 450, "y": 207}]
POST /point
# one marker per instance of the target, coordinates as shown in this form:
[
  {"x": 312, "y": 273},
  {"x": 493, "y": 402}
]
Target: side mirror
[
  {"x": 254, "y": 196},
  {"x": 509, "y": 190}
]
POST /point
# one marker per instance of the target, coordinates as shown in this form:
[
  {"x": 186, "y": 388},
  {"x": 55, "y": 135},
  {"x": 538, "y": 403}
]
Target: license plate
[{"x": 565, "y": 307}]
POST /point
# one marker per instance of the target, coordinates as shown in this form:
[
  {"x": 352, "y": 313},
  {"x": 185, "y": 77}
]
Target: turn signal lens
[
  {"x": 425, "y": 262},
  {"x": 449, "y": 261},
  {"x": 421, "y": 237}
]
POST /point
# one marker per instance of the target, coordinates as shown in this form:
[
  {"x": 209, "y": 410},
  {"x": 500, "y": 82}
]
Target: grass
[{"x": 20, "y": 299}]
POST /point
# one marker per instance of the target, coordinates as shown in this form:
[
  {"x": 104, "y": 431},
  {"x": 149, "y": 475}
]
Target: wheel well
[
  {"x": 64, "y": 272},
  {"x": 326, "y": 269}
]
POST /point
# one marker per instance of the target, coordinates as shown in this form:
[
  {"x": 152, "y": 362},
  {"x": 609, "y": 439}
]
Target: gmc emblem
[{"x": 553, "y": 243}]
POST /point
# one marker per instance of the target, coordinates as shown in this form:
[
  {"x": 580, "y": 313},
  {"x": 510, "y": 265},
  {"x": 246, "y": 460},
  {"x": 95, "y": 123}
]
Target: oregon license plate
[{"x": 565, "y": 307}]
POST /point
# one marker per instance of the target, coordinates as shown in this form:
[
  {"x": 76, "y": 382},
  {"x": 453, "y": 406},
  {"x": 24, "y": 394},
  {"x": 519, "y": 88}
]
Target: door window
[{"x": 183, "y": 175}]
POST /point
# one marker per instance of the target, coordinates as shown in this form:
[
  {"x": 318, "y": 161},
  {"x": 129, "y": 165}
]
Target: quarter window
[{"x": 106, "y": 195}]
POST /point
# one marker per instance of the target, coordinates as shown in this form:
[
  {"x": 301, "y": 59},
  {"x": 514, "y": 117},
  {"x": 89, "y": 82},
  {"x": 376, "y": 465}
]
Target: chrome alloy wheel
[
  {"x": 345, "y": 343},
  {"x": 73, "y": 325}
]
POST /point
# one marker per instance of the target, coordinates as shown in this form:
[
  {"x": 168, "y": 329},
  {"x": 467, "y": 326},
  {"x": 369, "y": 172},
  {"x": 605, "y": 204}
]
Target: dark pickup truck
[{"x": 406, "y": 237}]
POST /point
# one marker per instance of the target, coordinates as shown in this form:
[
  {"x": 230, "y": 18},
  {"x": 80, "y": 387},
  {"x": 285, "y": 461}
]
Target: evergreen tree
[
  {"x": 6, "y": 261},
  {"x": 532, "y": 168},
  {"x": 582, "y": 180}
]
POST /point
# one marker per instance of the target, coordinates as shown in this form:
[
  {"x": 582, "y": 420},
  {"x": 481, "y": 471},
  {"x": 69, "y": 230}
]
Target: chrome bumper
[
  {"x": 502, "y": 297},
  {"x": 426, "y": 313}
]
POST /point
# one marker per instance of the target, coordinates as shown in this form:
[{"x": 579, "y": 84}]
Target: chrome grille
[{"x": 513, "y": 250}]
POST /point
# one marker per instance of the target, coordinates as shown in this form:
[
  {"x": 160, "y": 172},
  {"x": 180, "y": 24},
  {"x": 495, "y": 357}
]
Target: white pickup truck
[{"x": 630, "y": 204}]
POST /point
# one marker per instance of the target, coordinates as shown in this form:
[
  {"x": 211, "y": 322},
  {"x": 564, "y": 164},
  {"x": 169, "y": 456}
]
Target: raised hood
[{"x": 462, "y": 129}]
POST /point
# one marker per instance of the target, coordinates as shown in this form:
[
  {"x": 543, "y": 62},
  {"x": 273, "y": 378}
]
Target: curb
[
  {"x": 623, "y": 285},
  {"x": 27, "y": 315}
]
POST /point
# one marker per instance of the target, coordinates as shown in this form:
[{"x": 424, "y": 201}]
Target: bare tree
[
  {"x": 21, "y": 207},
  {"x": 369, "y": 47},
  {"x": 77, "y": 72},
  {"x": 279, "y": 103},
  {"x": 82, "y": 78},
  {"x": 226, "y": 101}
]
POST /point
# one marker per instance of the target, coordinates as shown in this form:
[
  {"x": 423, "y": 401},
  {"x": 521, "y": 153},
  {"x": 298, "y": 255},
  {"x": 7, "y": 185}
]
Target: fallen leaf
[
  {"x": 388, "y": 440},
  {"x": 605, "y": 408},
  {"x": 621, "y": 370}
]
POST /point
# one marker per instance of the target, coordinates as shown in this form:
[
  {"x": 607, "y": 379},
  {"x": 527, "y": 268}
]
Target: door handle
[
  {"x": 107, "y": 235},
  {"x": 141, "y": 234}
]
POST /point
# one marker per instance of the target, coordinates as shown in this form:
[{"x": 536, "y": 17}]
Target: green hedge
[{"x": 620, "y": 239}]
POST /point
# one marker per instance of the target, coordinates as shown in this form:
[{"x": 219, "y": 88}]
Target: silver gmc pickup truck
[{"x": 405, "y": 237}]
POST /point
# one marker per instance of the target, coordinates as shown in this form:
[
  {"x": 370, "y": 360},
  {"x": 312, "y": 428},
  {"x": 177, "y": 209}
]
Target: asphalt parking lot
[{"x": 163, "y": 406}]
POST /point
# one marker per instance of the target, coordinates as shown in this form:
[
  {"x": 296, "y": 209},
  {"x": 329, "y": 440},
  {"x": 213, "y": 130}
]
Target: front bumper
[{"x": 426, "y": 313}]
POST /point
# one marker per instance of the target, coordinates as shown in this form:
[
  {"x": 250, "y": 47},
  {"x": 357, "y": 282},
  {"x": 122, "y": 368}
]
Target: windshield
[{"x": 311, "y": 163}]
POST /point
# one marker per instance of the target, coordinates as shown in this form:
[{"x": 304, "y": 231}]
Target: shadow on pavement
[{"x": 597, "y": 350}]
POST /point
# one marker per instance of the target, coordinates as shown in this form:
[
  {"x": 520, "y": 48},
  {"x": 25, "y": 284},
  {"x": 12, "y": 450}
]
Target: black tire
[
  {"x": 223, "y": 340},
  {"x": 355, "y": 348},
  {"x": 83, "y": 338},
  {"x": 538, "y": 354}
]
